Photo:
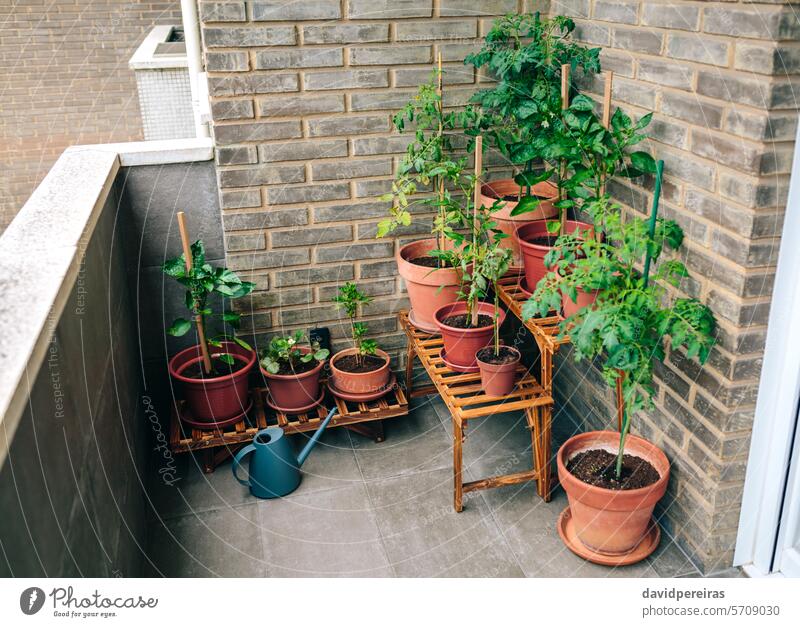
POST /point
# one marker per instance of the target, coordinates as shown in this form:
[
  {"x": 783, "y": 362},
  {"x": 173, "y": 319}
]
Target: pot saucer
[
  {"x": 366, "y": 396},
  {"x": 648, "y": 544},
  {"x": 457, "y": 367},
  {"x": 430, "y": 329},
  {"x": 299, "y": 410},
  {"x": 212, "y": 426}
]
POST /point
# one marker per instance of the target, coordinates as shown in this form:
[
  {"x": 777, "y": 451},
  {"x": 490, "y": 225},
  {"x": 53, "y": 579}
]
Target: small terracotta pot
[
  {"x": 460, "y": 345},
  {"x": 219, "y": 398},
  {"x": 585, "y": 299},
  {"x": 428, "y": 288},
  {"x": 498, "y": 379},
  {"x": 507, "y": 223},
  {"x": 611, "y": 522},
  {"x": 360, "y": 382},
  {"x": 533, "y": 254},
  {"x": 295, "y": 391}
]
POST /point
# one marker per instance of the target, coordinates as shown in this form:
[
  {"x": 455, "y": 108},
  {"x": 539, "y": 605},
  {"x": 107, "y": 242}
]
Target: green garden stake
[{"x": 653, "y": 215}]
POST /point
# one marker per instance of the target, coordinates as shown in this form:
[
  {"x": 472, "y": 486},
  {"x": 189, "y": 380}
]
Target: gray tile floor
[{"x": 380, "y": 510}]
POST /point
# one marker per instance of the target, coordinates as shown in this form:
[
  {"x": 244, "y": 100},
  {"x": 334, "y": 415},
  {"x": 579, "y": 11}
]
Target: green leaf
[
  {"x": 175, "y": 267},
  {"x": 180, "y": 327},
  {"x": 644, "y": 162},
  {"x": 526, "y": 204},
  {"x": 227, "y": 358},
  {"x": 553, "y": 226},
  {"x": 582, "y": 103}
]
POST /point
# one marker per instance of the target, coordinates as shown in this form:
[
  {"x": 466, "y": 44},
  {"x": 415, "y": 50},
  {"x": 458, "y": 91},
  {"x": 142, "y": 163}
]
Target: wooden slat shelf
[
  {"x": 216, "y": 445},
  {"x": 545, "y": 331},
  {"x": 464, "y": 397}
]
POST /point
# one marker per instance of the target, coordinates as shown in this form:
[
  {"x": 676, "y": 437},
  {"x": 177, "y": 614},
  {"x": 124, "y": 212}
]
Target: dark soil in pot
[
  {"x": 368, "y": 363},
  {"x": 461, "y": 321},
  {"x": 597, "y": 467},
  {"x": 218, "y": 369},
  {"x": 506, "y": 355},
  {"x": 429, "y": 262},
  {"x": 285, "y": 369}
]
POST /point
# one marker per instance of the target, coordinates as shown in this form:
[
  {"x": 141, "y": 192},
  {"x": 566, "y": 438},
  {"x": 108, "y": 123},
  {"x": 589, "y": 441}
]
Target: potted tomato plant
[
  {"x": 467, "y": 326},
  {"x": 292, "y": 367},
  {"x": 612, "y": 494},
  {"x": 525, "y": 54},
  {"x": 431, "y": 274},
  {"x": 362, "y": 369},
  {"x": 214, "y": 373},
  {"x": 497, "y": 363},
  {"x": 588, "y": 154}
]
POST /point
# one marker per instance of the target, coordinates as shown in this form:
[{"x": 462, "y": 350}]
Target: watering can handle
[{"x": 237, "y": 461}]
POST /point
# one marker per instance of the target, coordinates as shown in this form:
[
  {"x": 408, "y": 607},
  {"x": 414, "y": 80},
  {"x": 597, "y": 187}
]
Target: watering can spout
[{"x": 314, "y": 438}]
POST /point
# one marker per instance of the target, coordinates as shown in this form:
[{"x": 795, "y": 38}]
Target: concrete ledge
[
  {"x": 158, "y": 152},
  {"x": 150, "y": 54},
  {"x": 42, "y": 249}
]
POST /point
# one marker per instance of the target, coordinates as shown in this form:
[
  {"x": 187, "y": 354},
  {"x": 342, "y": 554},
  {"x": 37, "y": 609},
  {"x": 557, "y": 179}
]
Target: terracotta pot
[
  {"x": 533, "y": 254},
  {"x": 219, "y": 398},
  {"x": 507, "y": 223},
  {"x": 360, "y": 382},
  {"x": 498, "y": 379},
  {"x": 585, "y": 299},
  {"x": 611, "y": 522},
  {"x": 462, "y": 344},
  {"x": 295, "y": 391},
  {"x": 428, "y": 288}
]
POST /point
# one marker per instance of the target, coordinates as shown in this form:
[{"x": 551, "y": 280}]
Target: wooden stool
[{"x": 463, "y": 396}]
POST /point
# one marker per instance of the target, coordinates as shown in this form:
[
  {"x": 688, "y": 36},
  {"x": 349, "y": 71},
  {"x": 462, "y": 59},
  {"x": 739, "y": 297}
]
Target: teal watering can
[{"x": 274, "y": 469}]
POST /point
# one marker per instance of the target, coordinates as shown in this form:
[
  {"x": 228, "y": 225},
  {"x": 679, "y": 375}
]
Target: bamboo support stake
[
  {"x": 476, "y": 201},
  {"x": 440, "y": 92},
  {"x": 607, "y": 98},
  {"x": 198, "y": 319},
  {"x": 565, "y": 70},
  {"x": 620, "y": 400}
]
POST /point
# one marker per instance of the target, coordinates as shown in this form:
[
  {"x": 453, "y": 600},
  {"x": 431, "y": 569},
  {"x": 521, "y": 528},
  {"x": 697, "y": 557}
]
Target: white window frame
[{"x": 775, "y": 424}]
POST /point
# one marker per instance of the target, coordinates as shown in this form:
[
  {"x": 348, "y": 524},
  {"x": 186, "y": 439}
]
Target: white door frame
[{"x": 774, "y": 427}]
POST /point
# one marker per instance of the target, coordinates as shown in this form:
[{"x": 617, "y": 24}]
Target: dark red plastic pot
[
  {"x": 460, "y": 345},
  {"x": 498, "y": 379},
  {"x": 219, "y": 398},
  {"x": 533, "y": 254},
  {"x": 295, "y": 391}
]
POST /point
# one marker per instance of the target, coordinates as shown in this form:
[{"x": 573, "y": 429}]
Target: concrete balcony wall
[{"x": 77, "y": 419}]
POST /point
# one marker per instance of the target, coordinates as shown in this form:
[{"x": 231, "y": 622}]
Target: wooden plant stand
[
  {"x": 465, "y": 400},
  {"x": 544, "y": 330},
  {"x": 214, "y": 446}
]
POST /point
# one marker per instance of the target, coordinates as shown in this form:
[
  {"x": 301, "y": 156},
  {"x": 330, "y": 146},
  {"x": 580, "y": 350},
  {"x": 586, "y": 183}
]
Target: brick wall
[
  {"x": 302, "y": 95},
  {"x": 64, "y": 80},
  {"x": 722, "y": 79}
]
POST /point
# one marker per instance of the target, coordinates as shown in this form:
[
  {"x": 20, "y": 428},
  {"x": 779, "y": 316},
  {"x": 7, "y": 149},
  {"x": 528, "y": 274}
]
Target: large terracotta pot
[
  {"x": 498, "y": 379},
  {"x": 460, "y": 345},
  {"x": 533, "y": 254},
  {"x": 611, "y": 522},
  {"x": 585, "y": 299},
  {"x": 507, "y": 223},
  {"x": 360, "y": 382},
  {"x": 219, "y": 398},
  {"x": 428, "y": 288},
  {"x": 295, "y": 391}
]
